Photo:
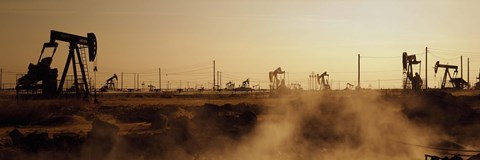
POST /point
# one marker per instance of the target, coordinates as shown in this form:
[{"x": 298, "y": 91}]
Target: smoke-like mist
[{"x": 313, "y": 126}]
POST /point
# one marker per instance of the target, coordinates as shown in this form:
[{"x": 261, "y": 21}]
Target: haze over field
[{"x": 246, "y": 38}]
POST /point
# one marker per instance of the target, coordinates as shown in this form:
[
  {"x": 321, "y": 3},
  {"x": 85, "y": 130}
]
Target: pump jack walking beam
[{"x": 74, "y": 41}]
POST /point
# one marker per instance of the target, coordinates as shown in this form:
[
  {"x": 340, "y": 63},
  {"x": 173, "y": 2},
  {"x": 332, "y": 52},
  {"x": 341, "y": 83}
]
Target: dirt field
[{"x": 387, "y": 124}]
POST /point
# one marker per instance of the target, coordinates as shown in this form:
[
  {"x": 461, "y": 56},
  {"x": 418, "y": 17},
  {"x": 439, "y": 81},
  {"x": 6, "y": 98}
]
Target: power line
[
  {"x": 455, "y": 51},
  {"x": 442, "y": 58},
  {"x": 203, "y": 64},
  {"x": 373, "y": 71},
  {"x": 379, "y": 57},
  {"x": 188, "y": 71},
  {"x": 387, "y": 57}
]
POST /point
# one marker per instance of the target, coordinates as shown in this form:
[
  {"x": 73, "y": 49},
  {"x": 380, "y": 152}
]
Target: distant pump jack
[
  {"x": 411, "y": 81},
  {"x": 457, "y": 83}
]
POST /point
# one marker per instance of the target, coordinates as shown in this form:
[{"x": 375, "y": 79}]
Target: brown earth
[{"x": 305, "y": 125}]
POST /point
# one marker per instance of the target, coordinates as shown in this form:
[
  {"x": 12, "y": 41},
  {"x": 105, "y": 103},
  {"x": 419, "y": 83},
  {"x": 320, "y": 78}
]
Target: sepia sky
[{"x": 247, "y": 38}]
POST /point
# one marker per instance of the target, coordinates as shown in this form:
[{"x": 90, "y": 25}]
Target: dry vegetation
[{"x": 327, "y": 125}]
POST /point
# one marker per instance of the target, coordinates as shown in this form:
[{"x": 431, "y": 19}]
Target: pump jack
[
  {"x": 322, "y": 81},
  {"x": 230, "y": 85},
  {"x": 246, "y": 83},
  {"x": 245, "y": 86},
  {"x": 457, "y": 83},
  {"x": 349, "y": 86},
  {"x": 42, "y": 71},
  {"x": 110, "y": 84},
  {"x": 477, "y": 84},
  {"x": 410, "y": 81},
  {"x": 277, "y": 83}
]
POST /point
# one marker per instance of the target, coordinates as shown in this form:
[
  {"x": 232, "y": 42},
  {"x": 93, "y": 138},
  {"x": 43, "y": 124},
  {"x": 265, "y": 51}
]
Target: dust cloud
[{"x": 352, "y": 126}]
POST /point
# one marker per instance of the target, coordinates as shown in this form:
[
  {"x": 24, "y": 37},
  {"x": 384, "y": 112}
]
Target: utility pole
[
  {"x": 1, "y": 78},
  {"x": 378, "y": 84},
  {"x": 468, "y": 71},
  {"x": 461, "y": 67},
  {"x": 288, "y": 79},
  {"x": 160, "y": 78},
  {"x": 339, "y": 85},
  {"x": 121, "y": 83},
  {"x": 312, "y": 81},
  {"x": 309, "y": 81},
  {"x": 426, "y": 62},
  {"x": 95, "y": 100},
  {"x": 358, "y": 81},
  {"x": 213, "y": 74},
  {"x": 134, "y": 81}
]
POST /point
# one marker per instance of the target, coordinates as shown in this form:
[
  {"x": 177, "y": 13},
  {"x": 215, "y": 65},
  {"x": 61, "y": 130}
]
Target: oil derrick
[
  {"x": 275, "y": 82},
  {"x": 322, "y": 81},
  {"x": 411, "y": 81},
  {"x": 42, "y": 72},
  {"x": 457, "y": 83},
  {"x": 110, "y": 83}
]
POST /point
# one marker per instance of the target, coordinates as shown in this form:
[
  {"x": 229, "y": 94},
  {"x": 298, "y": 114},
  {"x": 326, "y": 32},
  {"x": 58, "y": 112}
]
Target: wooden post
[
  {"x": 160, "y": 79},
  {"x": 468, "y": 72},
  {"x": 213, "y": 74},
  {"x": 1, "y": 78},
  {"x": 461, "y": 67},
  {"x": 426, "y": 62},
  {"x": 358, "y": 81}
]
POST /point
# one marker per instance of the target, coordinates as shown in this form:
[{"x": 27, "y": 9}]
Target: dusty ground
[{"x": 304, "y": 125}]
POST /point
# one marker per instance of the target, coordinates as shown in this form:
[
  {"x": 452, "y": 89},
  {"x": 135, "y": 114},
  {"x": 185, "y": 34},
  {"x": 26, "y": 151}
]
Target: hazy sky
[{"x": 246, "y": 38}]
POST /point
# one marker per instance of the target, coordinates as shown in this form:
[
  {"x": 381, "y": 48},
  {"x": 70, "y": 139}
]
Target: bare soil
[{"x": 305, "y": 125}]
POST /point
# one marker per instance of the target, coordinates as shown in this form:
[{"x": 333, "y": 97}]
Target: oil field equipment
[
  {"x": 36, "y": 73},
  {"x": 230, "y": 85},
  {"x": 246, "y": 83},
  {"x": 349, "y": 86},
  {"x": 322, "y": 80},
  {"x": 42, "y": 72},
  {"x": 245, "y": 86},
  {"x": 277, "y": 83},
  {"x": 257, "y": 86},
  {"x": 110, "y": 84},
  {"x": 296, "y": 86},
  {"x": 477, "y": 84},
  {"x": 411, "y": 81},
  {"x": 457, "y": 83}
]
